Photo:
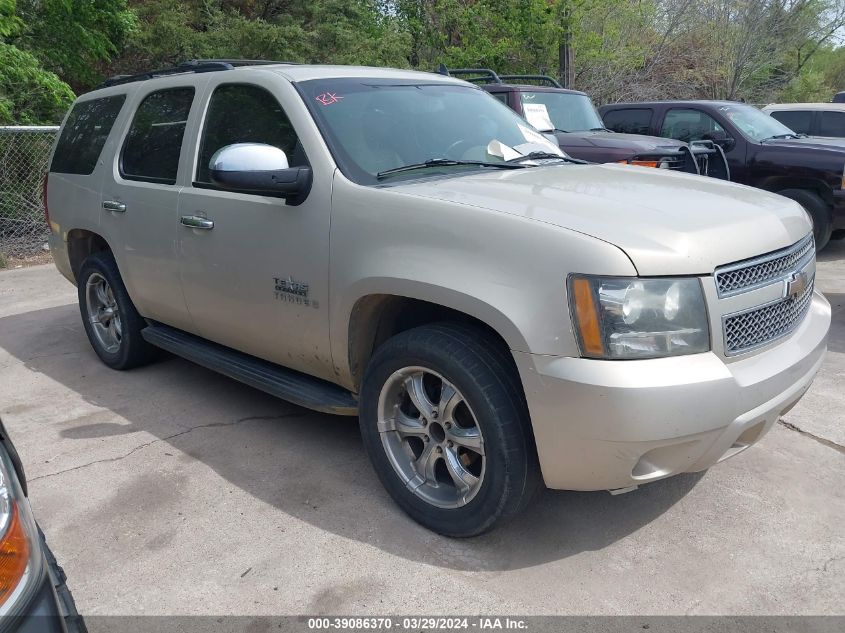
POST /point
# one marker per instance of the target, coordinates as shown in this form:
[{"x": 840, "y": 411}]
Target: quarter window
[
  {"x": 796, "y": 120},
  {"x": 84, "y": 135},
  {"x": 628, "y": 120},
  {"x": 832, "y": 124},
  {"x": 152, "y": 147},
  {"x": 241, "y": 113},
  {"x": 689, "y": 125}
]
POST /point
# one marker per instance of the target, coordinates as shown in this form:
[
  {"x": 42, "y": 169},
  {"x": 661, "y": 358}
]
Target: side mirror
[
  {"x": 721, "y": 138},
  {"x": 259, "y": 168}
]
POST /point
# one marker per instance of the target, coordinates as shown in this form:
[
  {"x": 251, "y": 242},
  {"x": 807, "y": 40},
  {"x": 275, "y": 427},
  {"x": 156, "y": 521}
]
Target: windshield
[
  {"x": 754, "y": 123},
  {"x": 373, "y": 126},
  {"x": 560, "y": 110}
]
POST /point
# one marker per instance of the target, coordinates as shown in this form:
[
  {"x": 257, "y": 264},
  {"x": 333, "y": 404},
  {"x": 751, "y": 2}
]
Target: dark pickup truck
[
  {"x": 572, "y": 118},
  {"x": 761, "y": 152}
]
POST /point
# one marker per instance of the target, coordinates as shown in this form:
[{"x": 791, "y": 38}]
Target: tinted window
[
  {"x": 689, "y": 125},
  {"x": 501, "y": 96},
  {"x": 152, "y": 147},
  {"x": 796, "y": 120},
  {"x": 85, "y": 132},
  {"x": 628, "y": 121},
  {"x": 831, "y": 124},
  {"x": 240, "y": 113}
]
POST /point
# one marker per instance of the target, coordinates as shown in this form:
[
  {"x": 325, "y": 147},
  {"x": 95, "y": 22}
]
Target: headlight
[
  {"x": 625, "y": 318},
  {"x": 20, "y": 546}
]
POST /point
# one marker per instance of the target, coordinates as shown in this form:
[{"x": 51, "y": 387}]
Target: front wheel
[{"x": 446, "y": 426}]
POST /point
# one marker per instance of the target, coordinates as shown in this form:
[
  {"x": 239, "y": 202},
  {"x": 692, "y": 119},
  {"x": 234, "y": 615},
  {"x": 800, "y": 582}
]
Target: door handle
[
  {"x": 197, "y": 222},
  {"x": 114, "y": 205}
]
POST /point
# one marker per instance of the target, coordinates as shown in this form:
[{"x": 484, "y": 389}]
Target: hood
[
  {"x": 814, "y": 143},
  {"x": 668, "y": 223},
  {"x": 612, "y": 140}
]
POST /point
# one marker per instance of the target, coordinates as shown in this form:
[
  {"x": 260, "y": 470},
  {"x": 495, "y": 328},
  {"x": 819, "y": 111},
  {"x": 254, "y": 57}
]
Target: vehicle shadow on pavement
[{"x": 309, "y": 465}]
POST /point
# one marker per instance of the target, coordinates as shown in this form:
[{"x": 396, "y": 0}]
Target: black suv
[
  {"x": 572, "y": 118},
  {"x": 761, "y": 152}
]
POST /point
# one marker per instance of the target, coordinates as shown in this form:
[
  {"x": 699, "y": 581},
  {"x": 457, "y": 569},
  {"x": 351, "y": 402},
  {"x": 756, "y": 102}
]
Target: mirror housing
[
  {"x": 260, "y": 169},
  {"x": 720, "y": 138}
]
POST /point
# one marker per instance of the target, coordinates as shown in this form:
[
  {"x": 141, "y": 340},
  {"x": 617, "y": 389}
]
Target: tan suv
[{"x": 402, "y": 246}]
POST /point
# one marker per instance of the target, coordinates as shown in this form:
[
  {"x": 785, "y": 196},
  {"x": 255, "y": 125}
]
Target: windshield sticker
[
  {"x": 327, "y": 98},
  {"x": 538, "y": 115}
]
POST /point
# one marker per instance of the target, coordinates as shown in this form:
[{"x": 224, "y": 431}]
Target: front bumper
[
  {"x": 604, "y": 425},
  {"x": 41, "y": 613}
]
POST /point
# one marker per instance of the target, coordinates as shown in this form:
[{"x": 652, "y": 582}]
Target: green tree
[
  {"x": 70, "y": 37},
  {"x": 324, "y": 31},
  {"x": 29, "y": 94}
]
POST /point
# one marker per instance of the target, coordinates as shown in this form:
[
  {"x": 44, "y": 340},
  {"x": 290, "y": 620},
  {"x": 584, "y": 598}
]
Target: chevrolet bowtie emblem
[{"x": 797, "y": 284}]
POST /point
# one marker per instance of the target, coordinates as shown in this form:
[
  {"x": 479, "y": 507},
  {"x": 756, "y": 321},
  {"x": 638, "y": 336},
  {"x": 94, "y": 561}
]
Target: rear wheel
[
  {"x": 111, "y": 321},
  {"x": 446, "y": 426},
  {"x": 819, "y": 212}
]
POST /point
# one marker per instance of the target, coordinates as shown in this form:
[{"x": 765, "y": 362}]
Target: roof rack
[
  {"x": 191, "y": 66},
  {"x": 242, "y": 62},
  {"x": 485, "y": 73},
  {"x": 542, "y": 78}
]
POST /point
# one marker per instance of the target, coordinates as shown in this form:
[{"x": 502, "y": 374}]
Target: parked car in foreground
[
  {"x": 399, "y": 246},
  {"x": 761, "y": 152},
  {"x": 813, "y": 119},
  {"x": 572, "y": 118},
  {"x": 34, "y": 597}
]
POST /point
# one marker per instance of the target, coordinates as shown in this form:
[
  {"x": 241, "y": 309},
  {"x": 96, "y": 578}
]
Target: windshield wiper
[
  {"x": 600, "y": 129},
  {"x": 545, "y": 155},
  {"x": 444, "y": 162},
  {"x": 788, "y": 135},
  {"x": 555, "y": 129}
]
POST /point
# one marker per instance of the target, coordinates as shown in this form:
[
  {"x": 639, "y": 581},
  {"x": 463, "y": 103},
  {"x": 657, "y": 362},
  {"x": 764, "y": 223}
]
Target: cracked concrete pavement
[{"x": 173, "y": 490}]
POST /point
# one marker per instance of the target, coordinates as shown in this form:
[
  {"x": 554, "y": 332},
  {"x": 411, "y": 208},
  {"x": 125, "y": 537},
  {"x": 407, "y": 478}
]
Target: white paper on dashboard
[
  {"x": 538, "y": 115},
  {"x": 497, "y": 148},
  {"x": 532, "y": 136}
]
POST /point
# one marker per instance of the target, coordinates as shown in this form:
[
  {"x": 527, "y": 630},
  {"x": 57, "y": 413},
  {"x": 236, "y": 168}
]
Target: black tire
[
  {"x": 483, "y": 372},
  {"x": 74, "y": 623},
  {"x": 819, "y": 212},
  {"x": 133, "y": 350}
]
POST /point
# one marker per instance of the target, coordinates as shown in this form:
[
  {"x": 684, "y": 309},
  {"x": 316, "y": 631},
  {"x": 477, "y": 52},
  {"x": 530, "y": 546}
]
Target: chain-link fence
[{"x": 24, "y": 152}]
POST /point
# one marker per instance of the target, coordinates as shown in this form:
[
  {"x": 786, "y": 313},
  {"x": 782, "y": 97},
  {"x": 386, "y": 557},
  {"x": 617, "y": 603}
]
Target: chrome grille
[
  {"x": 759, "y": 271},
  {"x": 758, "y": 326}
]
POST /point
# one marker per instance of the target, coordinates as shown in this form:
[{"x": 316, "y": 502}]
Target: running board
[{"x": 287, "y": 384}]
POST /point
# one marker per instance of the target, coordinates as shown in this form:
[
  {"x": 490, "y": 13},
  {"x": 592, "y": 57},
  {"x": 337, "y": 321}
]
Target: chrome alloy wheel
[
  {"x": 103, "y": 313},
  {"x": 431, "y": 437}
]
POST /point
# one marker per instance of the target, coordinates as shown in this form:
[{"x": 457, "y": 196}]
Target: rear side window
[
  {"x": 85, "y": 132},
  {"x": 796, "y": 120},
  {"x": 241, "y": 113},
  {"x": 832, "y": 124},
  {"x": 501, "y": 96},
  {"x": 152, "y": 147},
  {"x": 629, "y": 120}
]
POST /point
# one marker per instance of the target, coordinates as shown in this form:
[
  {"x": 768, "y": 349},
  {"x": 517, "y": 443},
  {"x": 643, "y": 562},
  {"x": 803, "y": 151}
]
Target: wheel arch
[
  {"x": 374, "y": 317},
  {"x": 80, "y": 244},
  {"x": 780, "y": 183}
]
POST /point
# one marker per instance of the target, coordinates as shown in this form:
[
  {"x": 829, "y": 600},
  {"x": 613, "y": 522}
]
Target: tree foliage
[
  {"x": 757, "y": 50},
  {"x": 28, "y": 93}
]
